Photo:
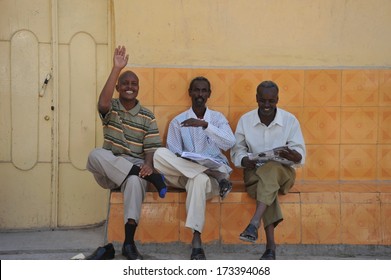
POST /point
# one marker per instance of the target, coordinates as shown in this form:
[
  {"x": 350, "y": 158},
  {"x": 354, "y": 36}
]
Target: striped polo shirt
[{"x": 132, "y": 132}]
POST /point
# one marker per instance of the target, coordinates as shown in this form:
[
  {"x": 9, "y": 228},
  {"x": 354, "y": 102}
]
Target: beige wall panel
[
  {"x": 88, "y": 16},
  {"x": 82, "y": 99},
  {"x": 102, "y": 73},
  {"x": 45, "y": 113},
  {"x": 81, "y": 200},
  {"x": 24, "y": 99},
  {"x": 24, "y": 197},
  {"x": 25, "y": 60},
  {"x": 5, "y": 101},
  {"x": 17, "y": 15},
  {"x": 64, "y": 97},
  {"x": 63, "y": 100},
  {"x": 255, "y": 33}
]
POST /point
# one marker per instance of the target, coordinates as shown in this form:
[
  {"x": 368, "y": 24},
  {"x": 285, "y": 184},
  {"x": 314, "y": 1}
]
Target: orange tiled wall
[
  {"x": 342, "y": 194},
  {"x": 345, "y": 114}
]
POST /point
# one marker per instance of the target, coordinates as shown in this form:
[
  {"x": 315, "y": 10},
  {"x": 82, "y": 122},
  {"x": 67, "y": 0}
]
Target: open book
[
  {"x": 270, "y": 155},
  {"x": 201, "y": 159}
]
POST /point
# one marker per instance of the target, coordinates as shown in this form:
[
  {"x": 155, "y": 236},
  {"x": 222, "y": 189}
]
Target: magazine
[
  {"x": 270, "y": 155},
  {"x": 203, "y": 160}
]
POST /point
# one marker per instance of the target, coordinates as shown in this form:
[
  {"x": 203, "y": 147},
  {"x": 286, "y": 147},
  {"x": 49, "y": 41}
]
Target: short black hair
[
  {"x": 267, "y": 84},
  {"x": 125, "y": 73},
  {"x": 199, "y": 79}
]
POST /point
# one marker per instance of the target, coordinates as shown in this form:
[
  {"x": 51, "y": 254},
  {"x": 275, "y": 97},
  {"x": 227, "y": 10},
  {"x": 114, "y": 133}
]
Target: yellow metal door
[
  {"x": 83, "y": 63},
  {"x": 53, "y": 60},
  {"x": 26, "y": 117}
]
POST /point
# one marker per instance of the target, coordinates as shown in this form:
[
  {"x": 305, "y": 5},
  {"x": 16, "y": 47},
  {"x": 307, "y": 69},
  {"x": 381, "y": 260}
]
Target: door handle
[{"x": 45, "y": 83}]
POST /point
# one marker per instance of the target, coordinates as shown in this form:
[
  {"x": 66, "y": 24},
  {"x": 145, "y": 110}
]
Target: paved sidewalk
[{"x": 65, "y": 244}]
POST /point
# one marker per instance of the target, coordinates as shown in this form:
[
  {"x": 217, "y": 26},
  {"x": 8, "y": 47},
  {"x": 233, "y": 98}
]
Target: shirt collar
[
  {"x": 277, "y": 119},
  {"x": 134, "y": 111},
  {"x": 193, "y": 115}
]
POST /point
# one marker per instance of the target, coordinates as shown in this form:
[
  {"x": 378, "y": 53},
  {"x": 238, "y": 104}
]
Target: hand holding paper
[{"x": 275, "y": 154}]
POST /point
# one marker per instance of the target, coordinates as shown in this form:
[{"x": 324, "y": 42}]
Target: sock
[
  {"x": 155, "y": 178},
  {"x": 196, "y": 242},
  {"x": 130, "y": 230}
]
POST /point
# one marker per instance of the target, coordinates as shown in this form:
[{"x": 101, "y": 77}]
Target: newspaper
[
  {"x": 270, "y": 155},
  {"x": 201, "y": 159}
]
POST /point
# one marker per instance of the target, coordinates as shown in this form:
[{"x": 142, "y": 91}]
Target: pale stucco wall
[{"x": 255, "y": 33}]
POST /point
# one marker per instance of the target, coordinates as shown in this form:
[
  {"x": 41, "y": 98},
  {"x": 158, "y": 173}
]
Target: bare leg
[
  {"x": 216, "y": 174},
  {"x": 270, "y": 243},
  {"x": 270, "y": 252},
  {"x": 250, "y": 234},
  {"x": 256, "y": 219}
]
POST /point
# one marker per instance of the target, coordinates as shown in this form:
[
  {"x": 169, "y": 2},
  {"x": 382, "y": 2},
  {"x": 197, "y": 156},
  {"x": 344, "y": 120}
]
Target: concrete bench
[{"x": 315, "y": 212}]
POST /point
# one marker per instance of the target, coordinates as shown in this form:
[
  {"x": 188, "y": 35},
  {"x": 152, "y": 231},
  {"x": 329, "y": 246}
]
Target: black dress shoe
[
  {"x": 197, "y": 254},
  {"x": 130, "y": 252},
  {"x": 106, "y": 252},
  {"x": 269, "y": 254}
]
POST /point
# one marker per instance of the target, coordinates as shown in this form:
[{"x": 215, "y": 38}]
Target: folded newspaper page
[
  {"x": 201, "y": 159},
  {"x": 270, "y": 155}
]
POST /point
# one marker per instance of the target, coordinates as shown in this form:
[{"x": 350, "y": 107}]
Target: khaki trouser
[
  {"x": 110, "y": 171},
  {"x": 264, "y": 183},
  {"x": 190, "y": 176}
]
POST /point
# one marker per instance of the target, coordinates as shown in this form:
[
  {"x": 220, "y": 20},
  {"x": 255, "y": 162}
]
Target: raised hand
[{"x": 120, "y": 58}]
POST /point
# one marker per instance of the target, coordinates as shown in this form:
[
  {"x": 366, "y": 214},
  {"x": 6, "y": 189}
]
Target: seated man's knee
[
  {"x": 134, "y": 183},
  {"x": 93, "y": 158},
  {"x": 160, "y": 153},
  {"x": 202, "y": 181},
  {"x": 270, "y": 168}
]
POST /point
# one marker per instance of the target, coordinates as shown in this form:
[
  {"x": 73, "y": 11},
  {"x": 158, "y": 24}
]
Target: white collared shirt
[
  {"x": 209, "y": 142},
  {"x": 252, "y": 136}
]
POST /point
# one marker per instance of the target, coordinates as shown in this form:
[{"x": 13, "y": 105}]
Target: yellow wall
[
  {"x": 43, "y": 182},
  {"x": 255, "y": 33}
]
